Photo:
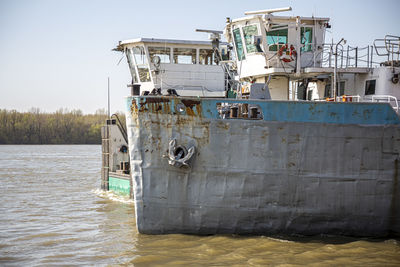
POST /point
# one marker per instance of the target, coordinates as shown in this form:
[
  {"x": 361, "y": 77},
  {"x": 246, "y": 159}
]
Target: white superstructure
[
  {"x": 290, "y": 55},
  {"x": 188, "y": 67}
]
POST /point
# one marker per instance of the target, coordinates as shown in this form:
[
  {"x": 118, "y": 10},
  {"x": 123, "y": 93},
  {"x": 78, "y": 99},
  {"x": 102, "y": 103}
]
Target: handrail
[
  {"x": 391, "y": 44},
  {"x": 384, "y": 98},
  {"x": 388, "y": 46},
  {"x": 348, "y": 98},
  {"x": 347, "y": 57}
]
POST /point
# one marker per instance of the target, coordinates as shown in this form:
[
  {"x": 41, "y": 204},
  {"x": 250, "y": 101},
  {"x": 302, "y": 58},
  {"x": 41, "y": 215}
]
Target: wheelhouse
[
  {"x": 267, "y": 44},
  {"x": 188, "y": 67}
]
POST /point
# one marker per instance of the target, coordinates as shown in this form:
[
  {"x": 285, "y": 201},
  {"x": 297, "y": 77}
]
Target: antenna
[
  {"x": 213, "y": 34},
  {"x": 108, "y": 98},
  {"x": 209, "y": 31},
  {"x": 268, "y": 11}
]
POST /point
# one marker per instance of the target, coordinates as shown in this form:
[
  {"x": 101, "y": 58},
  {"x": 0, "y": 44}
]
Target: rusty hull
[{"x": 260, "y": 176}]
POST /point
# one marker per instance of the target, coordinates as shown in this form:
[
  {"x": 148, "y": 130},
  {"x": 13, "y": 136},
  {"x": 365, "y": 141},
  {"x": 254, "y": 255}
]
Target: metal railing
[
  {"x": 361, "y": 57},
  {"x": 383, "y": 99},
  {"x": 348, "y": 98},
  {"x": 388, "y": 47},
  {"x": 347, "y": 57}
]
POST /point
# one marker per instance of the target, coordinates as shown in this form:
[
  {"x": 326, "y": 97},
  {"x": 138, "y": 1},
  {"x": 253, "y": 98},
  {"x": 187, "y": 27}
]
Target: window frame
[
  {"x": 188, "y": 48},
  {"x": 279, "y": 27},
  {"x": 143, "y": 65},
  {"x": 368, "y": 85},
  {"x": 340, "y": 87},
  {"x": 132, "y": 65},
  {"x": 245, "y": 40},
  {"x": 243, "y": 54},
  {"x": 160, "y": 47},
  {"x": 309, "y": 46},
  {"x": 212, "y": 59}
]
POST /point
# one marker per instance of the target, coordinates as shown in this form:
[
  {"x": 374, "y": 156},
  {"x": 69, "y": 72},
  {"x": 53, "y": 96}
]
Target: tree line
[{"x": 60, "y": 127}]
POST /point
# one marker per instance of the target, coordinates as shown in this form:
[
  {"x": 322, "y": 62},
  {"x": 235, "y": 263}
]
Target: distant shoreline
[
  {"x": 62, "y": 127},
  {"x": 50, "y": 144}
]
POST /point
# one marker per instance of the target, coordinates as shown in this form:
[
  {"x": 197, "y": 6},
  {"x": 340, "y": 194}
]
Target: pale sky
[{"x": 57, "y": 54}]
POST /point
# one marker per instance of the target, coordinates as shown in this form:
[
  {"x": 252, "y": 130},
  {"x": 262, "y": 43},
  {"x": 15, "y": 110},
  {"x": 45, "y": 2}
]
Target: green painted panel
[{"x": 119, "y": 186}]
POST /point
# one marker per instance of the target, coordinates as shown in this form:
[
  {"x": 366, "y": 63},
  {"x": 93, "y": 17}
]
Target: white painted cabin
[
  {"x": 185, "y": 66},
  {"x": 291, "y": 56}
]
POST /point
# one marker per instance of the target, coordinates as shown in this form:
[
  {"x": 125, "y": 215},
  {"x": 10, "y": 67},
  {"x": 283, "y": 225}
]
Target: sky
[{"x": 58, "y": 53}]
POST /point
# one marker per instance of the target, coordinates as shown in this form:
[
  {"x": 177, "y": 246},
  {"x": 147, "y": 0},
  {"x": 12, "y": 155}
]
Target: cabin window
[
  {"x": 277, "y": 37},
  {"x": 184, "y": 56},
  {"x": 248, "y": 33},
  {"x": 340, "y": 86},
  {"x": 238, "y": 44},
  {"x": 370, "y": 87},
  {"x": 163, "y": 52},
  {"x": 206, "y": 57},
  {"x": 140, "y": 55},
  {"x": 306, "y": 39},
  {"x": 141, "y": 63},
  {"x": 131, "y": 64}
]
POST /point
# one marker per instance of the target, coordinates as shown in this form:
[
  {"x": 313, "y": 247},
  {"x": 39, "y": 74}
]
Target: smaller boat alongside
[{"x": 115, "y": 169}]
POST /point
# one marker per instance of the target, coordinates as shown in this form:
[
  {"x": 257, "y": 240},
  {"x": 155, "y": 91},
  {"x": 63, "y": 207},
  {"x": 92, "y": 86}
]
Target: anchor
[{"x": 179, "y": 156}]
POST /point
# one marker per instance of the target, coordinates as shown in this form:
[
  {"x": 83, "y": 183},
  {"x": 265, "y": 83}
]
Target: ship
[{"x": 272, "y": 132}]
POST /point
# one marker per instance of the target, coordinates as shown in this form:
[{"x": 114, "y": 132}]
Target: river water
[{"x": 52, "y": 213}]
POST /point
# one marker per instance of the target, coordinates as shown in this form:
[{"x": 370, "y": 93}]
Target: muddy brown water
[{"x": 52, "y": 213}]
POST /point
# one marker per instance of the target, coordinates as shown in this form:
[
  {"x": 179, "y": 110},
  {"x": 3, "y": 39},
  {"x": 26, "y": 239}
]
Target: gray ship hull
[{"x": 292, "y": 175}]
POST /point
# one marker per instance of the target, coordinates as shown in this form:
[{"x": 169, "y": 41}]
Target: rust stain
[
  {"x": 198, "y": 110},
  {"x": 189, "y": 111},
  {"x": 291, "y": 164},
  {"x": 264, "y": 135},
  {"x": 155, "y": 104},
  {"x": 156, "y": 100},
  {"x": 223, "y": 125},
  {"x": 189, "y": 103},
  {"x": 163, "y": 105},
  {"x": 134, "y": 108},
  {"x": 184, "y": 120},
  {"x": 161, "y": 120},
  {"x": 167, "y": 108}
]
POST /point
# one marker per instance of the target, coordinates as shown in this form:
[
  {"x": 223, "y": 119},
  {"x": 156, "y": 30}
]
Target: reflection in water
[{"x": 53, "y": 213}]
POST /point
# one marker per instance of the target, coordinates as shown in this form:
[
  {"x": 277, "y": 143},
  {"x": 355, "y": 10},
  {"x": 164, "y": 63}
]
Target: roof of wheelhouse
[
  {"x": 121, "y": 44},
  {"x": 282, "y": 18}
]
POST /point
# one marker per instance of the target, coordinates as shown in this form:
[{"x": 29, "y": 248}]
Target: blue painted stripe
[
  {"x": 295, "y": 111},
  {"x": 319, "y": 112}
]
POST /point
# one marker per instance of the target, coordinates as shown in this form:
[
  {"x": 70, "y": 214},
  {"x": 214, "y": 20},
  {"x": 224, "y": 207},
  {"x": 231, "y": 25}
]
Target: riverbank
[{"x": 60, "y": 127}]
